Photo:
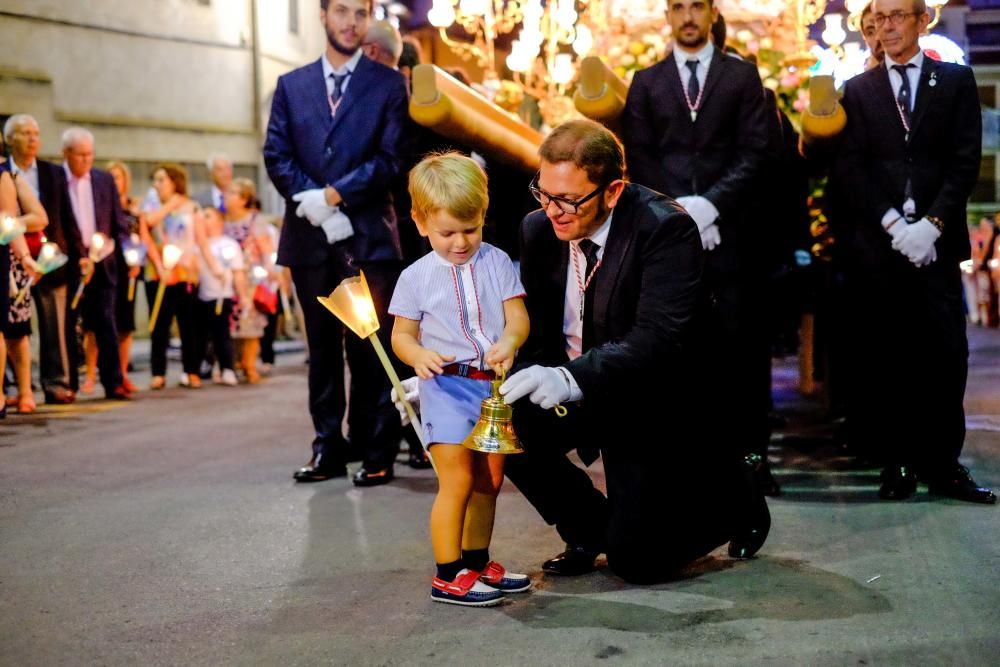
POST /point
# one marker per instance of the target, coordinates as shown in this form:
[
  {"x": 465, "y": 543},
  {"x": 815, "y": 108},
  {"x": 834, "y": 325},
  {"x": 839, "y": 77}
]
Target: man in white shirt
[
  {"x": 95, "y": 208},
  {"x": 220, "y": 168}
]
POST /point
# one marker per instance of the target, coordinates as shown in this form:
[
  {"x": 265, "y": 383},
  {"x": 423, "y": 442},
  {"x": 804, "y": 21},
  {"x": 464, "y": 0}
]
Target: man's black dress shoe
[
  {"x": 119, "y": 393},
  {"x": 317, "y": 472},
  {"x": 573, "y": 561},
  {"x": 766, "y": 481},
  {"x": 960, "y": 485},
  {"x": 898, "y": 483},
  {"x": 419, "y": 461},
  {"x": 60, "y": 396},
  {"x": 753, "y": 519},
  {"x": 364, "y": 478}
]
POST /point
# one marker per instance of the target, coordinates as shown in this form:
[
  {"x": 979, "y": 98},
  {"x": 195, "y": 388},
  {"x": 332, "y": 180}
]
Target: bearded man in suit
[{"x": 333, "y": 150}]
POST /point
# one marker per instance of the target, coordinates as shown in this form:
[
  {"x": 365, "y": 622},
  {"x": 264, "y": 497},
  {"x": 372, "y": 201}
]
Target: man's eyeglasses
[
  {"x": 567, "y": 206},
  {"x": 894, "y": 18}
]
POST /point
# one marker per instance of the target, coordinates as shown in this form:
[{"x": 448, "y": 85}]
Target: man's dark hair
[
  {"x": 325, "y": 5},
  {"x": 410, "y": 57},
  {"x": 588, "y": 145},
  {"x": 719, "y": 32}
]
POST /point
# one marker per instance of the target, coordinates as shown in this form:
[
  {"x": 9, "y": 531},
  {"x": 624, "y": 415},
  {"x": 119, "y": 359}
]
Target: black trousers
[
  {"x": 666, "y": 504},
  {"x": 215, "y": 328},
  {"x": 55, "y": 335},
  {"x": 373, "y": 423},
  {"x": 97, "y": 308},
  {"x": 735, "y": 358},
  {"x": 267, "y": 340},
  {"x": 179, "y": 301},
  {"x": 910, "y": 365}
]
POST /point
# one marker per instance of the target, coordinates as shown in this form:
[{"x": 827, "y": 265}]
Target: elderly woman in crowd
[
  {"x": 124, "y": 308},
  {"x": 18, "y": 199},
  {"x": 173, "y": 219},
  {"x": 244, "y": 226}
]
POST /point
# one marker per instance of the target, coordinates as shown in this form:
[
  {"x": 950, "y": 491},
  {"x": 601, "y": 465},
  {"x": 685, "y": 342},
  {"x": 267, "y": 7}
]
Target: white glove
[
  {"x": 544, "y": 386},
  {"x": 896, "y": 223},
  {"x": 704, "y": 214},
  {"x": 337, "y": 227},
  {"x": 412, "y": 388},
  {"x": 916, "y": 241},
  {"x": 312, "y": 205}
]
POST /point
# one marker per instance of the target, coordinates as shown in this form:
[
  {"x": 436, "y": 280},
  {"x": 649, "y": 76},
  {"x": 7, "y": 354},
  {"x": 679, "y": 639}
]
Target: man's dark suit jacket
[
  {"x": 716, "y": 157},
  {"x": 109, "y": 220},
  {"x": 55, "y": 200},
  {"x": 357, "y": 152},
  {"x": 646, "y": 293},
  {"x": 941, "y": 157}
]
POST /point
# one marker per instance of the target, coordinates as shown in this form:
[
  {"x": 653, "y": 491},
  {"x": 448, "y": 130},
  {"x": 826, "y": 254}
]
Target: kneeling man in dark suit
[{"x": 612, "y": 272}]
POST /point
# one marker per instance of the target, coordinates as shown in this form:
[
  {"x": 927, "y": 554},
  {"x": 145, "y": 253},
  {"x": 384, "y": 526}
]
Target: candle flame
[{"x": 171, "y": 255}]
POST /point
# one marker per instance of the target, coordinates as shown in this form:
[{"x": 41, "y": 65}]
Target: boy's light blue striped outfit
[{"x": 460, "y": 310}]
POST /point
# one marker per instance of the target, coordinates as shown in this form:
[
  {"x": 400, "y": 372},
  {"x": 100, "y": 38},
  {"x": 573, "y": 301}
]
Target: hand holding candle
[
  {"x": 171, "y": 255},
  {"x": 50, "y": 258},
  {"x": 101, "y": 246},
  {"x": 228, "y": 255},
  {"x": 134, "y": 253}
]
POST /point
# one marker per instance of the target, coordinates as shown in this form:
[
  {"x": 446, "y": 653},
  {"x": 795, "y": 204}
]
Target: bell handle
[{"x": 560, "y": 410}]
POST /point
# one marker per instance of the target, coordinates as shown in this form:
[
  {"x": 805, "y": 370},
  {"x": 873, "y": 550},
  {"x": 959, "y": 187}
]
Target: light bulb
[
  {"x": 563, "y": 70},
  {"x": 584, "y": 41},
  {"x": 441, "y": 15},
  {"x": 474, "y": 7},
  {"x": 834, "y": 34}
]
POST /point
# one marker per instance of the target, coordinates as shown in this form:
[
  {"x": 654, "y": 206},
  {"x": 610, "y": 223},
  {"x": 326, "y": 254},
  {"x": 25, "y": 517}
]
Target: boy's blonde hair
[{"x": 449, "y": 182}]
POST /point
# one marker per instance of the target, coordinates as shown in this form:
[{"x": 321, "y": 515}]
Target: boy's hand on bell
[{"x": 500, "y": 357}]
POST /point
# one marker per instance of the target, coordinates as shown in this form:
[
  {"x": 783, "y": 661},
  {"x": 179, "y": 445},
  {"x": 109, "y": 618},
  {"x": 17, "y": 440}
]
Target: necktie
[
  {"x": 589, "y": 249},
  {"x": 338, "y": 85},
  {"x": 694, "y": 88},
  {"x": 905, "y": 96}
]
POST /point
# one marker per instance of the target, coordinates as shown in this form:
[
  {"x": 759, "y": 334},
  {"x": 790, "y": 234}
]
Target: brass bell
[{"x": 494, "y": 432}]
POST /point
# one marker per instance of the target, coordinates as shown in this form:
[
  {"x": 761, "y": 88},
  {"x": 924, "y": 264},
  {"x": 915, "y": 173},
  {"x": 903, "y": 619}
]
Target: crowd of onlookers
[
  {"x": 981, "y": 274},
  {"x": 205, "y": 262}
]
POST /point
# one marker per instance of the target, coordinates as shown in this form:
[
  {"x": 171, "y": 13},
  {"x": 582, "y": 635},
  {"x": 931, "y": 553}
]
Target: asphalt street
[{"x": 168, "y": 531}]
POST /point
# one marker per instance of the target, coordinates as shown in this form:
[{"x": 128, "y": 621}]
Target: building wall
[{"x": 153, "y": 79}]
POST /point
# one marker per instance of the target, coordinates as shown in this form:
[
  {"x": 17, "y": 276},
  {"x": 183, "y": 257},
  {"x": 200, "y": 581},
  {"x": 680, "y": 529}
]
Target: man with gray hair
[
  {"x": 23, "y": 138},
  {"x": 220, "y": 169},
  {"x": 383, "y": 43},
  {"x": 94, "y": 208}
]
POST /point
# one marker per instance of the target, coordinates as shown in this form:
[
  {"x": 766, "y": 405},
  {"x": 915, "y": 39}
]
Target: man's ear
[{"x": 613, "y": 193}]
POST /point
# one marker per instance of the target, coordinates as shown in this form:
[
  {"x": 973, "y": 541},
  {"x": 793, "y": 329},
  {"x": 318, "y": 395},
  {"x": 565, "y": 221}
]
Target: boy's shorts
[{"x": 450, "y": 407}]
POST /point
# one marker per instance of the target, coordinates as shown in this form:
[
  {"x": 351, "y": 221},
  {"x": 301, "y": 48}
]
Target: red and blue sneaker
[
  {"x": 497, "y": 576},
  {"x": 466, "y": 590}
]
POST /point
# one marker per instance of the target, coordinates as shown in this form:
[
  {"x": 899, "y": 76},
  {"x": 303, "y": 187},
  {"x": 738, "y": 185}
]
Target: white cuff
[
  {"x": 890, "y": 215},
  {"x": 575, "y": 393}
]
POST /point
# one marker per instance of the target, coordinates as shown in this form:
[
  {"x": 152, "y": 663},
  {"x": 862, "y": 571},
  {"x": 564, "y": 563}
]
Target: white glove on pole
[
  {"x": 916, "y": 241},
  {"x": 704, "y": 214},
  {"x": 412, "y": 388},
  {"x": 313, "y": 206},
  {"x": 544, "y": 386},
  {"x": 337, "y": 227}
]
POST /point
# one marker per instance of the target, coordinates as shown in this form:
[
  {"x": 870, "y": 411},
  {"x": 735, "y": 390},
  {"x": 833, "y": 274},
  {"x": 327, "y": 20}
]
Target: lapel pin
[{"x": 933, "y": 81}]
